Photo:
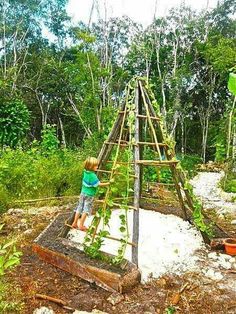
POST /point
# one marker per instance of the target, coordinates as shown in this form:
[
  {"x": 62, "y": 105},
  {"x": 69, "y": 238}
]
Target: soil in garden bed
[{"x": 50, "y": 240}]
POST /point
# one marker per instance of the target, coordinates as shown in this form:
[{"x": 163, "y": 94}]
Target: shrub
[
  {"x": 32, "y": 174},
  {"x": 190, "y": 163},
  {"x": 14, "y": 122},
  {"x": 228, "y": 183}
]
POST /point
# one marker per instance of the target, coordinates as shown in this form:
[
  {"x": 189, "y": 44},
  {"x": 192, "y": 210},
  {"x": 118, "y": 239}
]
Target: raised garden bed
[{"x": 66, "y": 255}]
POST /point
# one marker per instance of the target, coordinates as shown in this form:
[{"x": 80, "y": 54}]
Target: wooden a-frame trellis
[
  {"x": 139, "y": 105},
  {"x": 144, "y": 116}
]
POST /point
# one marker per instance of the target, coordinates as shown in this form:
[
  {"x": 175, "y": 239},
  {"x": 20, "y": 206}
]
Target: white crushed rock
[
  {"x": 214, "y": 275},
  {"x": 206, "y": 187},
  {"x": 16, "y": 211},
  {"x": 43, "y": 310},
  {"x": 33, "y": 210},
  {"x": 167, "y": 244},
  {"x": 216, "y": 265}
]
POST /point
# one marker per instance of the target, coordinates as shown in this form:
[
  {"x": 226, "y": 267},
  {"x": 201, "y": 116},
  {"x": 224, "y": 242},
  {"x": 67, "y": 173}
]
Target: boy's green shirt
[{"x": 90, "y": 183}]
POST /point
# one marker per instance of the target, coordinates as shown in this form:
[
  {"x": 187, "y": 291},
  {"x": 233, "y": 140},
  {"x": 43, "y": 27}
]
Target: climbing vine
[
  {"x": 95, "y": 237},
  {"x": 198, "y": 217},
  {"x": 94, "y": 240}
]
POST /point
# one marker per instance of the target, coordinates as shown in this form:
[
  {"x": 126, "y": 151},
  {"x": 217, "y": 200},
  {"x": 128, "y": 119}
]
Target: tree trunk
[
  {"x": 63, "y": 138},
  {"x": 229, "y": 136}
]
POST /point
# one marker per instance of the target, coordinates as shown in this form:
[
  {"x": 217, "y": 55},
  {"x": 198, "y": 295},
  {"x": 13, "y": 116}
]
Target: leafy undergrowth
[
  {"x": 10, "y": 297},
  {"x": 32, "y": 174},
  {"x": 228, "y": 183}
]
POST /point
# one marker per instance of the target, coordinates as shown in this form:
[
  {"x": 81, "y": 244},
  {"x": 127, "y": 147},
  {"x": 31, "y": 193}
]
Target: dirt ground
[{"x": 189, "y": 293}]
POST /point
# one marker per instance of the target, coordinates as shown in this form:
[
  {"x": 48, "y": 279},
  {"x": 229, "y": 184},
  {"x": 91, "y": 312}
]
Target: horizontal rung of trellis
[
  {"x": 152, "y": 144},
  {"x": 148, "y": 162},
  {"x": 115, "y": 143},
  {"x": 108, "y": 237},
  {"x": 157, "y": 162},
  {"x": 126, "y": 143},
  {"x": 115, "y": 204},
  {"x": 141, "y": 116},
  {"x": 115, "y": 172}
]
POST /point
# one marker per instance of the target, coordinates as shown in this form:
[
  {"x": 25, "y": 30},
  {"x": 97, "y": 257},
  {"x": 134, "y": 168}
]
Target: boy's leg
[
  {"x": 82, "y": 221},
  {"x": 88, "y": 202},
  {"x": 78, "y": 211},
  {"x": 76, "y": 218}
]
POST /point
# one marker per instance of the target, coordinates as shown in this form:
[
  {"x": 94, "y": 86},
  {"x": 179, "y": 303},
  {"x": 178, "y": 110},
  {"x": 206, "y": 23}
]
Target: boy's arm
[{"x": 104, "y": 183}]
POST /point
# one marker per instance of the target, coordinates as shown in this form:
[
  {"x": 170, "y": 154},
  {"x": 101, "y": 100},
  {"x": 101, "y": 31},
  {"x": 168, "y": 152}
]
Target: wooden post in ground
[
  {"x": 137, "y": 187},
  {"x": 65, "y": 228}
]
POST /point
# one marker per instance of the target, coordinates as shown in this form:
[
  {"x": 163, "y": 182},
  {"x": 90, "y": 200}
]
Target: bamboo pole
[
  {"x": 114, "y": 143},
  {"x": 114, "y": 164},
  {"x": 108, "y": 237},
  {"x": 109, "y": 171},
  {"x": 157, "y": 162},
  {"x": 105, "y": 151},
  {"x": 116, "y": 204},
  {"x": 150, "y": 121},
  {"x": 173, "y": 170},
  {"x": 149, "y": 162},
  {"x": 151, "y": 144},
  {"x": 45, "y": 199},
  {"x": 147, "y": 117},
  {"x": 137, "y": 187}
]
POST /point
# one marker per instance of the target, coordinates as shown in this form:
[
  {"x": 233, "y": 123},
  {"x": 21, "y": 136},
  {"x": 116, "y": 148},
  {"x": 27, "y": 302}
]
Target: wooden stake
[{"x": 137, "y": 181}]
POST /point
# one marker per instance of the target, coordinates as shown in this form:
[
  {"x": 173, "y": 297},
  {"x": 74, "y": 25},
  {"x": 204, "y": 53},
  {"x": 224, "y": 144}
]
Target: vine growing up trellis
[
  {"x": 124, "y": 148},
  {"x": 93, "y": 240}
]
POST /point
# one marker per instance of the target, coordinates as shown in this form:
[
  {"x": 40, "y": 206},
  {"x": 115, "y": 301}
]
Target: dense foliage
[
  {"x": 76, "y": 79},
  {"x": 74, "y": 82}
]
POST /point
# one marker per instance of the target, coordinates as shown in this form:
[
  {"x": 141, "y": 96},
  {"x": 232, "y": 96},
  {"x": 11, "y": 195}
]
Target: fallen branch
[
  {"x": 48, "y": 298},
  {"x": 46, "y": 199},
  {"x": 55, "y": 300}
]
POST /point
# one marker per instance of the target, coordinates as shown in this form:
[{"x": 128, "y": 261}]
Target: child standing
[{"x": 90, "y": 184}]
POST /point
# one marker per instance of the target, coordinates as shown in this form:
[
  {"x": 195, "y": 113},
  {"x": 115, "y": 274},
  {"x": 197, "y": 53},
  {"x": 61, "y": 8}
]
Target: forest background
[{"x": 58, "y": 99}]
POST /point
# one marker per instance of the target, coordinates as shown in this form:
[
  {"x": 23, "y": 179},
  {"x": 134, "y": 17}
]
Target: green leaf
[
  {"x": 170, "y": 310},
  {"x": 122, "y": 229},
  {"x": 110, "y": 203},
  {"x": 10, "y": 243},
  {"x": 232, "y": 83},
  {"x": 13, "y": 261}
]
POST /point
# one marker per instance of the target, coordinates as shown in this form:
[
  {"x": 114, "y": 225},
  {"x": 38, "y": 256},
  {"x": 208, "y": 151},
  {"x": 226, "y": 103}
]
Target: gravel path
[{"x": 206, "y": 187}]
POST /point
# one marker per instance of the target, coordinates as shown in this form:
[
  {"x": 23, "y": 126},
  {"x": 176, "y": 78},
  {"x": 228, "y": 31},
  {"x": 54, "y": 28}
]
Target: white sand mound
[{"x": 166, "y": 243}]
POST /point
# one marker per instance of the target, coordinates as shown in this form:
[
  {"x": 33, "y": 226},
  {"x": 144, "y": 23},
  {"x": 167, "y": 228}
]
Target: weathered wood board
[{"x": 67, "y": 256}]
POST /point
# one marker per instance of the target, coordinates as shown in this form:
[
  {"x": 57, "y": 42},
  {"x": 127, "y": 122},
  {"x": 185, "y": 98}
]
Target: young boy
[{"x": 90, "y": 184}]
